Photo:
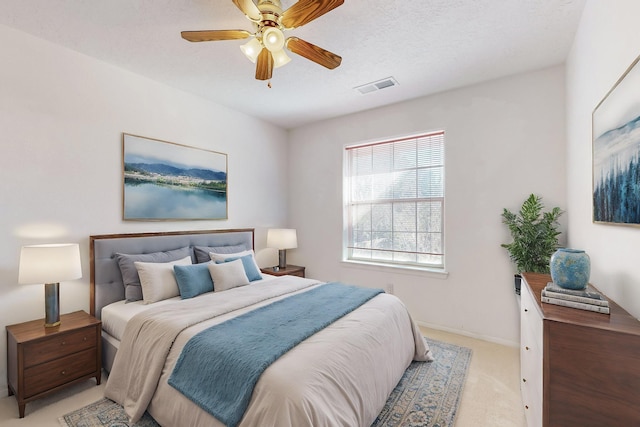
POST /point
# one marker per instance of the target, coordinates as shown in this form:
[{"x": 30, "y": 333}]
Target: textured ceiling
[{"x": 428, "y": 46}]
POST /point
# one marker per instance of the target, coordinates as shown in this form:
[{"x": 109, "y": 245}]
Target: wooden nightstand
[
  {"x": 43, "y": 360},
  {"x": 291, "y": 270}
]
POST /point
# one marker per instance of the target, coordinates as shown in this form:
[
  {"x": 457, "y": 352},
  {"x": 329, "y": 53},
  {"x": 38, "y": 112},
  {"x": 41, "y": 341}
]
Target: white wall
[
  {"x": 62, "y": 115},
  {"x": 505, "y": 139},
  {"x": 606, "y": 44}
]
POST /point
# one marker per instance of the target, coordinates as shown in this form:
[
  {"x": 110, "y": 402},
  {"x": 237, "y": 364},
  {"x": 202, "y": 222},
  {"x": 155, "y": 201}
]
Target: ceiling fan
[{"x": 267, "y": 43}]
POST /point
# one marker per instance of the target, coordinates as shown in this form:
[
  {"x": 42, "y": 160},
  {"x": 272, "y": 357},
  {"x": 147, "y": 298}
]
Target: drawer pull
[
  {"x": 63, "y": 343},
  {"x": 524, "y": 380},
  {"x": 526, "y": 310},
  {"x": 63, "y": 373},
  {"x": 84, "y": 339},
  {"x": 526, "y": 347},
  {"x": 526, "y": 406}
]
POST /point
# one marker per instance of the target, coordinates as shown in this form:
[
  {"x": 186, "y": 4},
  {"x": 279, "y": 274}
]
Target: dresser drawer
[
  {"x": 531, "y": 359},
  {"x": 48, "y": 375},
  {"x": 532, "y": 405},
  {"x": 530, "y": 336},
  {"x": 531, "y": 383},
  {"x": 59, "y": 345},
  {"x": 530, "y": 318}
]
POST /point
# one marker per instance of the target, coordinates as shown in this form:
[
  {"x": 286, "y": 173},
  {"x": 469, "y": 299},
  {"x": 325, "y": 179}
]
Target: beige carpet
[{"x": 491, "y": 396}]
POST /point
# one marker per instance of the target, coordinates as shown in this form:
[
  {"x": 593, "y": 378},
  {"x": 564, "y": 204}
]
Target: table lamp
[
  {"x": 50, "y": 264},
  {"x": 282, "y": 239}
]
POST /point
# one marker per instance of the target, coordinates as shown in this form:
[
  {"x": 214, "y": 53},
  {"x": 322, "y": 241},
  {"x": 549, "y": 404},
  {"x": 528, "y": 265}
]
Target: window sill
[{"x": 396, "y": 268}]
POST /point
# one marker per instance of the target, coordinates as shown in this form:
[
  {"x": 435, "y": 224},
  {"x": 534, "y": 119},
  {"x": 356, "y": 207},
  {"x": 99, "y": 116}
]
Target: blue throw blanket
[{"x": 219, "y": 367}]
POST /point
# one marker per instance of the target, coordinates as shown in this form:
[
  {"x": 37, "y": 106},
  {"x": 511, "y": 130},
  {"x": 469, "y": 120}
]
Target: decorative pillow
[
  {"x": 253, "y": 272},
  {"x": 193, "y": 280},
  {"x": 202, "y": 252},
  {"x": 158, "y": 280},
  {"x": 228, "y": 275},
  {"x": 250, "y": 267},
  {"x": 130, "y": 278}
]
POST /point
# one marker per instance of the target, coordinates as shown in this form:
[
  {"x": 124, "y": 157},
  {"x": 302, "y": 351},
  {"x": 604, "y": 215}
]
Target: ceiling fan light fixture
[
  {"x": 273, "y": 39},
  {"x": 280, "y": 58},
  {"x": 265, "y": 46},
  {"x": 251, "y": 49}
]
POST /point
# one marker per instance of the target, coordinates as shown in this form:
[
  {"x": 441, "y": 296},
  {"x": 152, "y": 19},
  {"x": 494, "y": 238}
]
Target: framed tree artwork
[
  {"x": 168, "y": 181},
  {"x": 616, "y": 152}
]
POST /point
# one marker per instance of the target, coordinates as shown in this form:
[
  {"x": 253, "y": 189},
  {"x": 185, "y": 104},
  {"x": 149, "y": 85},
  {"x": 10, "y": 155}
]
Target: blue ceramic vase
[{"x": 570, "y": 268}]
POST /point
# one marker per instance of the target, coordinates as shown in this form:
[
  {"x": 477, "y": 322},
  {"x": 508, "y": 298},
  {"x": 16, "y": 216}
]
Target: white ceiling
[{"x": 428, "y": 46}]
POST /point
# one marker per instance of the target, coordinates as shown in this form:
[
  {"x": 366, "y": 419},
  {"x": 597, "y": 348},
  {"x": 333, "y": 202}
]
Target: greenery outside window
[{"x": 394, "y": 201}]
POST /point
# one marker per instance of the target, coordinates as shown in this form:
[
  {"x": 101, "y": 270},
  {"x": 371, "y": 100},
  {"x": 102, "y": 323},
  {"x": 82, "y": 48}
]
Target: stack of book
[{"x": 586, "y": 299}]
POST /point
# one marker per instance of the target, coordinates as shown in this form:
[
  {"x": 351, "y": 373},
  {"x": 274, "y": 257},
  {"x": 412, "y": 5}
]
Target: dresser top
[{"x": 619, "y": 320}]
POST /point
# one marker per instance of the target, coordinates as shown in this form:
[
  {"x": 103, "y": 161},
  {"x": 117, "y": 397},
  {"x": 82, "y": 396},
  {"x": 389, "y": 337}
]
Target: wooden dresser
[
  {"x": 579, "y": 368},
  {"x": 43, "y": 360}
]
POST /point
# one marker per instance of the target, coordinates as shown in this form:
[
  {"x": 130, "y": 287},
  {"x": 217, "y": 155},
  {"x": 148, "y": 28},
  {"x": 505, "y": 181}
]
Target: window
[{"x": 394, "y": 201}]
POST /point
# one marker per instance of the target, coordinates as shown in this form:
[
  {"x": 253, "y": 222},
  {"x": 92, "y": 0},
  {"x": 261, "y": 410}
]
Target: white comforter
[{"x": 341, "y": 376}]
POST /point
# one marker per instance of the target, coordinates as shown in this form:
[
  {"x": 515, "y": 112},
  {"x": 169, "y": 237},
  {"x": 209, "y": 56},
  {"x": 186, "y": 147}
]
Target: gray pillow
[
  {"x": 130, "y": 278},
  {"x": 202, "y": 252}
]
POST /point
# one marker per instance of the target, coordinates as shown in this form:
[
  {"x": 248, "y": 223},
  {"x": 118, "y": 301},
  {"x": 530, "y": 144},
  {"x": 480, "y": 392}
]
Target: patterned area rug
[
  {"x": 104, "y": 413},
  {"x": 428, "y": 395}
]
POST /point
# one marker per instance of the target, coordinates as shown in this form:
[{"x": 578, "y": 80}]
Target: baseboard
[{"x": 469, "y": 334}]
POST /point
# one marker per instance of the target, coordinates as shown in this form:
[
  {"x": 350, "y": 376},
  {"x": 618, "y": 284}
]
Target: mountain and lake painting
[
  {"x": 167, "y": 181},
  {"x": 616, "y": 152}
]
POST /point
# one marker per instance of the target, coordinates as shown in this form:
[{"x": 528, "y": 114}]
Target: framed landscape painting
[
  {"x": 616, "y": 152},
  {"x": 167, "y": 181}
]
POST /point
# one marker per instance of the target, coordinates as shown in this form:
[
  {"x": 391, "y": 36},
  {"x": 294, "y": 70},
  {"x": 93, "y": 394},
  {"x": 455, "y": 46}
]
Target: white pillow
[
  {"x": 221, "y": 257},
  {"x": 157, "y": 279},
  {"x": 228, "y": 275}
]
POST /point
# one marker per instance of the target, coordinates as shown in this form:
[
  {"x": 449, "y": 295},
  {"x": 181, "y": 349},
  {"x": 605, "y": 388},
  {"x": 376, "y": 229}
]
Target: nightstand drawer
[
  {"x": 52, "y": 374},
  {"x": 59, "y": 345}
]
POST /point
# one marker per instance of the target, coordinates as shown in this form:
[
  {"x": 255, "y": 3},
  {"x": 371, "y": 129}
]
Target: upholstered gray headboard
[{"x": 106, "y": 279}]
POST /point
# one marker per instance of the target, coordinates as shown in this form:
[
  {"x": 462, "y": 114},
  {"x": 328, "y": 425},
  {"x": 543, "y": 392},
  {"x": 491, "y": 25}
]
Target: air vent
[{"x": 375, "y": 86}]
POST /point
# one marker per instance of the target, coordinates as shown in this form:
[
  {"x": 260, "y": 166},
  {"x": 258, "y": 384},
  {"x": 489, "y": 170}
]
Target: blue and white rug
[{"x": 428, "y": 395}]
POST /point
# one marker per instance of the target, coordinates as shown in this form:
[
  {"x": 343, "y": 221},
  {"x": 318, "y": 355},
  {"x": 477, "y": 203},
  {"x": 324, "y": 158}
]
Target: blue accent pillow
[
  {"x": 249, "y": 264},
  {"x": 193, "y": 280}
]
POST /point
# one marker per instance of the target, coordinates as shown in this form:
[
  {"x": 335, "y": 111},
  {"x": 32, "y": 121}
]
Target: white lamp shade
[
  {"x": 282, "y": 238},
  {"x": 49, "y": 263},
  {"x": 273, "y": 39},
  {"x": 280, "y": 58},
  {"x": 251, "y": 49}
]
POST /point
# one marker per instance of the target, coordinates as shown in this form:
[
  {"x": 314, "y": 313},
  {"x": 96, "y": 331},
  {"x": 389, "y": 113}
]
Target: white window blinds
[{"x": 395, "y": 201}]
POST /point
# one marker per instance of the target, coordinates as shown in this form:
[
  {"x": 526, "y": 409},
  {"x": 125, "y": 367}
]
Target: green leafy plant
[{"x": 535, "y": 235}]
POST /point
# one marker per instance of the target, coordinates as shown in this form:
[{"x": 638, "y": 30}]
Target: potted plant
[{"x": 535, "y": 236}]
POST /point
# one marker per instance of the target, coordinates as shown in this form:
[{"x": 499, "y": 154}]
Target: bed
[{"x": 341, "y": 374}]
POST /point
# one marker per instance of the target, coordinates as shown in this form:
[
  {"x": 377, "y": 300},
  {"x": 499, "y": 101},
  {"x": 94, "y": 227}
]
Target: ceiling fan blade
[
  {"x": 313, "y": 53},
  {"x": 305, "y": 11},
  {"x": 249, "y": 8},
  {"x": 264, "y": 66},
  {"x": 214, "y": 35}
]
